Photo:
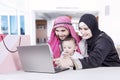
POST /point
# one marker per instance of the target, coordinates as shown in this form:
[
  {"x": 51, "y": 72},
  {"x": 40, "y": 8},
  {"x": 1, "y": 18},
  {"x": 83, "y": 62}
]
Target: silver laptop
[{"x": 37, "y": 58}]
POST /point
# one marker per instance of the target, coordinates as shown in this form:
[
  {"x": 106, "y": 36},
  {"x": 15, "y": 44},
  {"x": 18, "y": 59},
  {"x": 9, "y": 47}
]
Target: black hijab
[{"x": 91, "y": 21}]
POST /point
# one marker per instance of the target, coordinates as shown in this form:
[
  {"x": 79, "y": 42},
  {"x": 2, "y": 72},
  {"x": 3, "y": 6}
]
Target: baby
[{"x": 69, "y": 49}]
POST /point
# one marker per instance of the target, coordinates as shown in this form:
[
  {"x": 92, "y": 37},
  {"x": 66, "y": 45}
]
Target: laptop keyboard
[{"x": 58, "y": 69}]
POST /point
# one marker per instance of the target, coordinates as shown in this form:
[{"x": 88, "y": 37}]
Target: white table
[{"x": 101, "y": 73}]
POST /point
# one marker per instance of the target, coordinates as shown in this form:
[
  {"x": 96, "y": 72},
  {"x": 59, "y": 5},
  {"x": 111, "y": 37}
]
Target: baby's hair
[{"x": 70, "y": 39}]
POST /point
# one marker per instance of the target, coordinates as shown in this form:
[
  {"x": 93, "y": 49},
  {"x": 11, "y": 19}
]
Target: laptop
[{"x": 37, "y": 58}]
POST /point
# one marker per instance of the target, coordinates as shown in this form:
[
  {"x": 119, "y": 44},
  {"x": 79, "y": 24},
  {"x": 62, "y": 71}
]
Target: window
[
  {"x": 22, "y": 27},
  {"x": 4, "y": 24},
  {"x": 13, "y": 25},
  {"x": 10, "y": 24}
]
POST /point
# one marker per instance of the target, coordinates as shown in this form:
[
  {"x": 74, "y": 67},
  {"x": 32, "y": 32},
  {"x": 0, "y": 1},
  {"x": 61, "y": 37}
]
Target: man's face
[{"x": 61, "y": 32}]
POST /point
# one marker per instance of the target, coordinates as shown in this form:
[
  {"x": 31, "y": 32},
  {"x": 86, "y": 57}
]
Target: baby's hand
[{"x": 63, "y": 62}]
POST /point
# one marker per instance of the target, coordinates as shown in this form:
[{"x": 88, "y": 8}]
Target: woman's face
[
  {"x": 85, "y": 31},
  {"x": 61, "y": 32}
]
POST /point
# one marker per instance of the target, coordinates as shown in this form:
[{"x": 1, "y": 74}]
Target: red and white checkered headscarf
[{"x": 54, "y": 41}]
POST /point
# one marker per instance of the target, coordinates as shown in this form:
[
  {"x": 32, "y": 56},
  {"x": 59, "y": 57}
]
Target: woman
[
  {"x": 62, "y": 29},
  {"x": 100, "y": 47}
]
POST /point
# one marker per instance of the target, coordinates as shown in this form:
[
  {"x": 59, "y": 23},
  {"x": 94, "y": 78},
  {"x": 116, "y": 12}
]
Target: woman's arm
[{"x": 101, "y": 49}]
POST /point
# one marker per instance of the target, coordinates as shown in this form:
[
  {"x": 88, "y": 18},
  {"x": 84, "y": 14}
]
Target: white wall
[
  {"x": 56, "y": 5},
  {"x": 108, "y": 23},
  {"x": 64, "y": 5}
]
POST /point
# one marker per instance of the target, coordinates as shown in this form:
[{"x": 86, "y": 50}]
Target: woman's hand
[{"x": 65, "y": 62}]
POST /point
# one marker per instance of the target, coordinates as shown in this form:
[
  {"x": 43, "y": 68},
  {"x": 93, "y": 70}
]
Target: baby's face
[{"x": 69, "y": 47}]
